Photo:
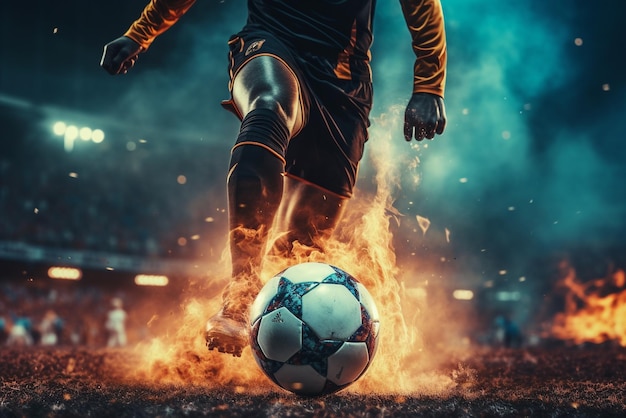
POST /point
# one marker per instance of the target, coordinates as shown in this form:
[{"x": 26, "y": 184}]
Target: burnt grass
[{"x": 557, "y": 381}]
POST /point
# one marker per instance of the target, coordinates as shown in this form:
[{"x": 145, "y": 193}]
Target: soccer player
[
  {"x": 116, "y": 324},
  {"x": 301, "y": 84}
]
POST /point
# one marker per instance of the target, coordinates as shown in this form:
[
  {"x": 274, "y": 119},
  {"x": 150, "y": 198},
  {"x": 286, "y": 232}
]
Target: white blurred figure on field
[
  {"x": 116, "y": 324},
  {"x": 48, "y": 329}
]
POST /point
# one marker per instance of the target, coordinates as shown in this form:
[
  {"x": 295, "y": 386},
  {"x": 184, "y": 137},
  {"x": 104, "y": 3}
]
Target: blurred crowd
[
  {"x": 69, "y": 315},
  {"x": 135, "y": 198}
]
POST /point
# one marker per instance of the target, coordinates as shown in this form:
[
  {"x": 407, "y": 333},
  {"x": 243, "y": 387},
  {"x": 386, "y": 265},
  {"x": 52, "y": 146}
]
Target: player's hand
[
  {"x": 424, "y": 117},
  {"x": 120, "y": 55}
]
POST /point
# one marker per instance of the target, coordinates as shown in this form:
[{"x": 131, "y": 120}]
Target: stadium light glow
[
  {"x": 65, "y": 273},
  {"x": 71, "y": 133},
  {"x": 97, "y": 136},
  {"x": 59, "y": 128},
  {"x": 463, "y": 294},
  {"x": 85, "y": 133},
  {"x": 151, "y": 280}
]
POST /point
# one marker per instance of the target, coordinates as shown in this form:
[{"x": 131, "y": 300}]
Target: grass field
[{"x": 582, "y": 381}]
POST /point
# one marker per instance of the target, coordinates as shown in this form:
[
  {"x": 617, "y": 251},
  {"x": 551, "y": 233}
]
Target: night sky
[{"x": 532, "y": 160}]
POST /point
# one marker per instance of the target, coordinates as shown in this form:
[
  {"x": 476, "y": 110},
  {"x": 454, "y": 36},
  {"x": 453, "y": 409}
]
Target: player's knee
[
  {"x": 266, "y": 129},
  {"x": 268, "y": 101},
  {"x": 284, "y": 108}
]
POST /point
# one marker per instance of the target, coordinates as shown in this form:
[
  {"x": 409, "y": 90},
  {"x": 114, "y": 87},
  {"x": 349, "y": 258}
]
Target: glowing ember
[
  {"x": 424, "y": 223},
  {"x": 595, "y": 311}
]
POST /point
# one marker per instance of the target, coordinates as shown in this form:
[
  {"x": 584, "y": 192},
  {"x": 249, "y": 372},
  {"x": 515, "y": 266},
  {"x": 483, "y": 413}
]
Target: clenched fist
[{"x": 120, "y": 55}]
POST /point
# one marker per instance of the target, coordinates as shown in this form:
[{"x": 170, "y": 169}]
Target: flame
[
  {"x": 362, "y": 245},
  {"x": 594, "y": 311}
]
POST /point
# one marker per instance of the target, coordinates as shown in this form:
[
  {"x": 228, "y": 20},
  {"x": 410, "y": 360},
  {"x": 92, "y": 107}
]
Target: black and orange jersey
[
  {"x": 325, "y": 27},
  {"x": 339, "y": 30}
]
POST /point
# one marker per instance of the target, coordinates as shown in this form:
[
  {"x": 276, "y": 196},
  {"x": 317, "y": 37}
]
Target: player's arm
[
  {"x": 157, "y": 17},
  {"x": 425, "y": 114}
]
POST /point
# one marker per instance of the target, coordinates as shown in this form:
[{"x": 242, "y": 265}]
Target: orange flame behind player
[{"x": 594, "y": 311}]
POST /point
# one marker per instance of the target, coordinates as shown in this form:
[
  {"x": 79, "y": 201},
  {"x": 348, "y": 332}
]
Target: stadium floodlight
[
  {"x": 71, "y": 133},
  {"x": 59, "y": 128},
  {"x": 65, "y": 273},
  {"x": 463, "y": 294},
  {"x": 85, "y": 133},
  {"x": 97, "y": 136},
  {"x": 151, "y": 280}
]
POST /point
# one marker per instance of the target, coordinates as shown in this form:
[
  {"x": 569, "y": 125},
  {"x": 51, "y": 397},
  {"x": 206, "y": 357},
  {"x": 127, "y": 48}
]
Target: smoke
[{"x": 510, "y": 173}]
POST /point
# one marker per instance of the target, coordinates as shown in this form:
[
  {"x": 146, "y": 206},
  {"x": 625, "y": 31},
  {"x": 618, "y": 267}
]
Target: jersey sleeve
[
  {"x": 424, "y": 19},
  {"x": 157, "y": 17}
]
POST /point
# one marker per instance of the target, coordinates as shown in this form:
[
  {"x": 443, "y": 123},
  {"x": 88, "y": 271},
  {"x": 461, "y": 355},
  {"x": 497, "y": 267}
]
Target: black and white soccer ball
[{"x": 314, "y": 329}]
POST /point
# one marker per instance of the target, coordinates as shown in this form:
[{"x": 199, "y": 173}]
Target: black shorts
[{"x": 327, "y": 150}]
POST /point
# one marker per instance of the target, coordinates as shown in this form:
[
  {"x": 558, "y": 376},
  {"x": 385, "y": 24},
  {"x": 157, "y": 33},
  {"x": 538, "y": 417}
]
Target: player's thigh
[{"x": 267, "y": 82}]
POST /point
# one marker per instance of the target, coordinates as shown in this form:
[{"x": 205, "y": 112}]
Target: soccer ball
[{"x": 314, "y": 329}]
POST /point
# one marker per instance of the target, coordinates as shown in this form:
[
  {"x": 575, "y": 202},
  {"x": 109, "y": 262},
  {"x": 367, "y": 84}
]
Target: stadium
[{"x": 495, "y": 253}]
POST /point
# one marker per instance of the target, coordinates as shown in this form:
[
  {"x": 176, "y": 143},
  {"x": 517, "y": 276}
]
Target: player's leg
[
  {"x": 309, "y": 216},
  {"x": 266, "y": 94},
  {"x": 323, "y": 165}
]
